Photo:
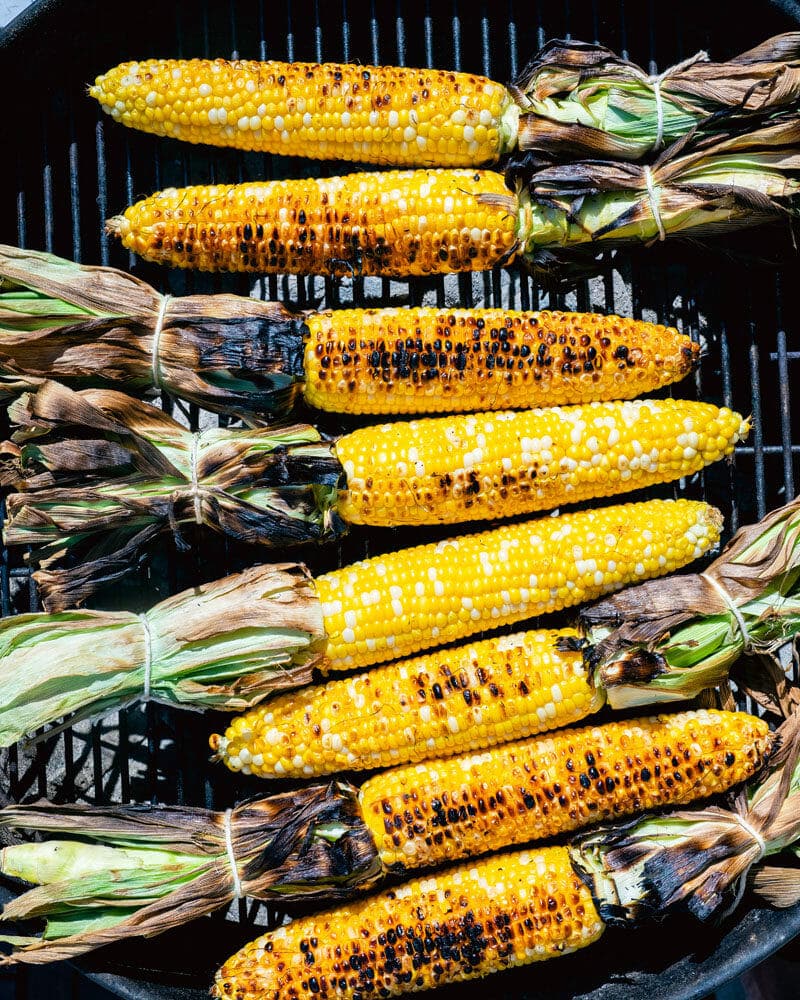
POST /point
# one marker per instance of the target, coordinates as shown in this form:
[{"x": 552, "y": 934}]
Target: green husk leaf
[
  {"x": 284, "y": 848},
  {"x": 224, "y": 645},
  {"x": 96, "y": 326},
  {"x": 99, "y": 475},
  {"x": 583, "y": 100},
  {"x": 699, "y": 859},
  {"x": 668, "y": 642}
]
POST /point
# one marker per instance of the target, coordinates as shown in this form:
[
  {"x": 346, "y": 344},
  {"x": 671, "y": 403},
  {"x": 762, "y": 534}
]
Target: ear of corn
[
  {"x": 444, "y": 703},
  {"x": 96, "y": 325},
  {"x": 407, "y": 223},
  {"x": 343, "y": 111},
  {"x": 435, "y": 360},
  {"x": 446, "y": 927},
  {"x": 412, "y": 222},
  {"x": 460, "y": 468},
  {"x": 392, "y": 605},
  {"x": 424, "y": 814}
]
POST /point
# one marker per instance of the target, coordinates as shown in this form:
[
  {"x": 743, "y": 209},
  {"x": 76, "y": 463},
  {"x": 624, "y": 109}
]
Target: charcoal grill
[{"x": 66, "y": 168}]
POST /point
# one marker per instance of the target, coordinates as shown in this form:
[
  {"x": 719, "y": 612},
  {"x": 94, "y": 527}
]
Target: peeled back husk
[
  {"x": 702, "y": 185},
  {"x": 146, "y": 869},
  {"x": 100, "y": 475},
  {"x": 97, "y": 326},
  {"x": 224, "y": 645},
  {"x": 581, "y": 100}
]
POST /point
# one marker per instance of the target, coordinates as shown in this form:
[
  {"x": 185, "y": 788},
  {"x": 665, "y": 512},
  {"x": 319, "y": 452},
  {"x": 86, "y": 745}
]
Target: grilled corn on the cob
[
  {"x": 435, "y": 360},
  {"x": 445, "y": 702},
  {"x": 397, "y": 223},
  {"x": 99, "y": 326},
  {"x": 392, "y": 605},
  {"x": 422, "y": 814},
  {"x": 378, "y": 114},
  {"x": 446, "y": 927},
  {"x": 460, "y": 468}
]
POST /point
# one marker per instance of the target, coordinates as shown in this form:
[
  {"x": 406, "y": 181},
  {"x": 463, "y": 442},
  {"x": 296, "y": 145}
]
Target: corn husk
[
  {"x": 702, "y": 185},
  {"x": 700, "y": 860},
  {"x": 582, "y": 100},
  {"x": 224, "y": 645},
  {"x": 141, "y": 870},
  {"x": 96, "y": 326},
  {"x": 672, "y": 640},
  {"x": 100, "y": 476}
]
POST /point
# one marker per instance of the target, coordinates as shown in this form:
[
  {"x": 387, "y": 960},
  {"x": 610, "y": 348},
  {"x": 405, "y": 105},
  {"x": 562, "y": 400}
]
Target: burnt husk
[
  {"x": 699, "y": 860},
  {"x": 99, "y": 475},
  {"x": 225, "y": 353},
  {"x": 298, "y": 846}
]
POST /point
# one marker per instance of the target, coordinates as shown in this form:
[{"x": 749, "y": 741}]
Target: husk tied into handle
[
  {"x": 582, "y": 100},
  {"x": 99, "y": 475},
  {"x": 127, "y": 871},
  {"x": 735, "y": 176},
  {"x": 223, "y": 645},
  {"x": 97, "y": 326},
  {"x": 669, "y": 640},
  {"x": 700, "y": 860}
]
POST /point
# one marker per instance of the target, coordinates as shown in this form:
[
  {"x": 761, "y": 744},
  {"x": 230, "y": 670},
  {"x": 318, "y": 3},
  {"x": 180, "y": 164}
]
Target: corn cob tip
[{"x": 118, "y": 225}]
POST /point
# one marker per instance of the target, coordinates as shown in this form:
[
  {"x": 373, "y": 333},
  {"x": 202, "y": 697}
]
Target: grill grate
[{"x": 73, "y": 167}]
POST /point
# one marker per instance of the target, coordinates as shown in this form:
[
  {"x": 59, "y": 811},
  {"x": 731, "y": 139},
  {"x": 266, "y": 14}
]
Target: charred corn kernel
[
  {"x": 373, "y": 114},
  {"x": 410, "y": 222},
  {"x": 424, "y": 814},
  {"x": 446, "y": 927},
  {"x": 435, "y": 360},
  {"x": 467, "y": 698},
  {"x": 392, "y": 605},
  {"x": 490, "y": 465}
]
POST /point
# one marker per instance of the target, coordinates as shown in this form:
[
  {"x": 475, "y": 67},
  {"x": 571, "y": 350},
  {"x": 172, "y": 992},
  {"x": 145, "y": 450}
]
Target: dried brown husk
[
  {"x": 99, "y": 475},
  {"x": 700, "y": 859},
  {"x": 702, "y": 185},
  {"x": 291, "y": 847},
  {"x": 223, "y": 645},
  {"x": 96, "y": 326},
  {"x": 581, "y": 100}
]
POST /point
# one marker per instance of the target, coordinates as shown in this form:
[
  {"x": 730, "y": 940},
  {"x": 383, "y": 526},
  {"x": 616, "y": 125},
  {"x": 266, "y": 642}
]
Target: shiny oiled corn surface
[
  {"x": 396, "y": 223},
  {"x": 490, "y": 465},
  {"x": 437, "y": 360},
  {"x": 448, "y": 927},
  {"x": 392, "y": 605},
  {"x": 342, "y": 111},
  {"x": 424, "y": 814},
  {"x": 446, "y": 702}
]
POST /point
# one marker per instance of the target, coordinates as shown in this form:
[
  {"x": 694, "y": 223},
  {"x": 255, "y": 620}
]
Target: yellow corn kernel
[
  {"x": 439, "y": 360},
  {"x": 447, "y": 702},
  {"x": 397, "y": 223},
  {"x": 443, "y": 928},
  {"x": 392, "y": 605},
  {"x": 373, "y": 114},
  {"x": 428, "y": 813},
  {"x": 493, "y": 465}
]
